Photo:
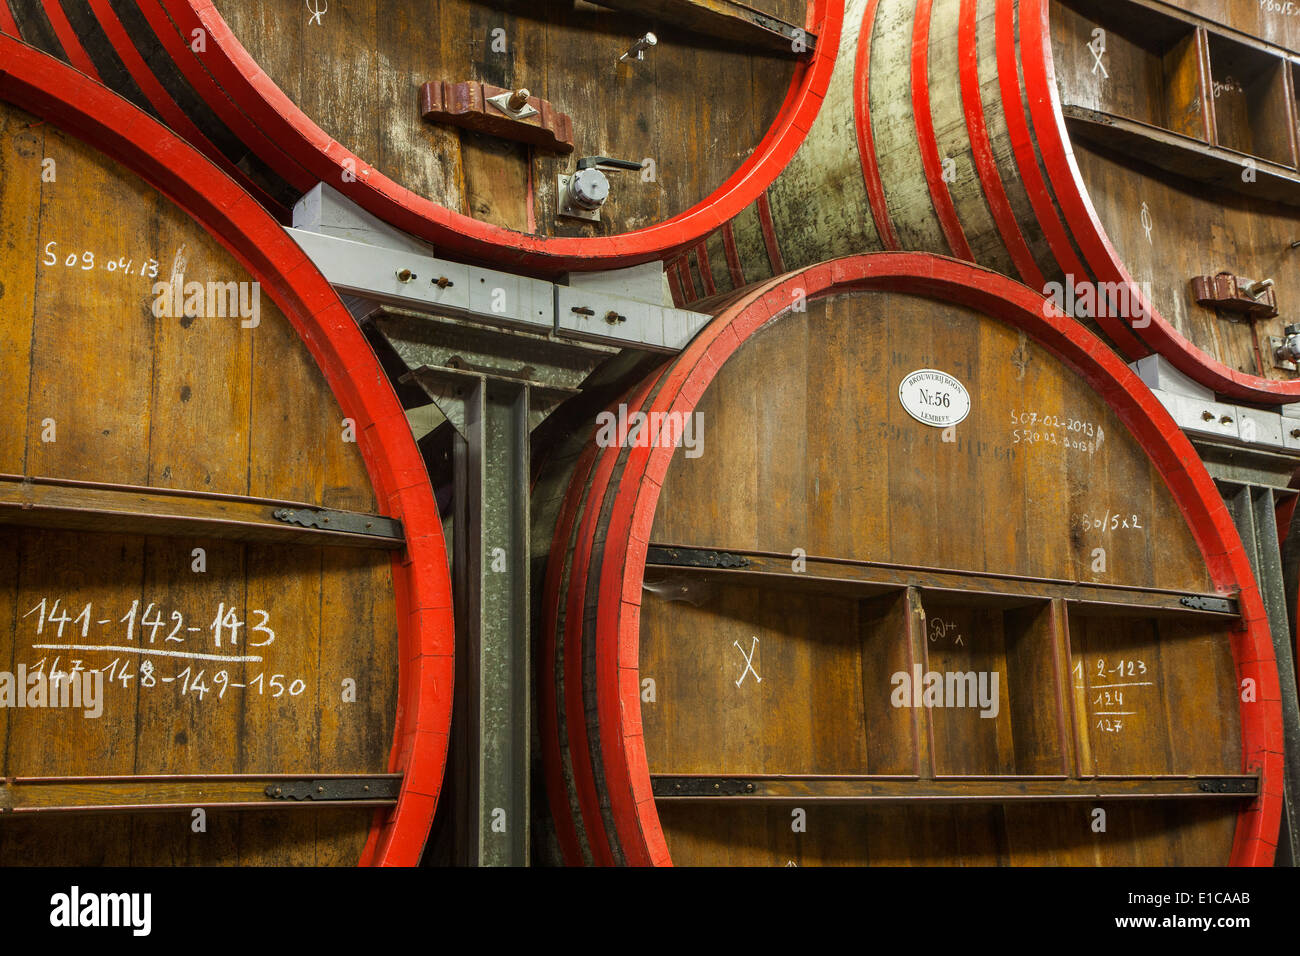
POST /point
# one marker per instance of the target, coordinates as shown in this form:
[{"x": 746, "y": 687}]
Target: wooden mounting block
[{"x": 467, "y": 105}]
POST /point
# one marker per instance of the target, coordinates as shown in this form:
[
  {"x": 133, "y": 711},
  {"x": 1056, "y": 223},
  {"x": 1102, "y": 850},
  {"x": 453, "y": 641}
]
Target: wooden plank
[
  {"x": 158, "y": 792},
  {"x": 74, "y": 431},
  {"x": 22, "y": 154},
  {"x": 180, "y": 730},
  {"x": 86, "y": 506},
  {"x": 727, "y": 20},
  {"x": 849, "y": 788},
  {"x": 775, "y": 684},
  {"x": 893, "y": 734},
  {"x": 496, "y": 179},
  {"x": 865, "y": 579},
  {"x": 1184, "y": 156},
  {"x": 203, "y": 387},
  {"x": 960, "y": 639}
]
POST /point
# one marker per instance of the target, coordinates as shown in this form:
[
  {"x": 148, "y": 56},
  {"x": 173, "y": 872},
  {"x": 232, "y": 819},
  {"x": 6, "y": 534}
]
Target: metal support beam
[
  {"x": 1254, "y": 511},
  {"x": 490, "y": 462},
  {"x": 487, "y": 297}
]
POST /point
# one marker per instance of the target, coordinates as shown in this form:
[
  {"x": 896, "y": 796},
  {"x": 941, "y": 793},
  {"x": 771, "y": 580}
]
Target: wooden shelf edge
[
  {"x": 871, "y": 579},
  {"x": 728, "y": 20},
  {"x": 778, "y": 788},
  {"x": 120, "y": 509},
  {"x": 21, "y": 796},
  {"x": 1185, "y": 156}
]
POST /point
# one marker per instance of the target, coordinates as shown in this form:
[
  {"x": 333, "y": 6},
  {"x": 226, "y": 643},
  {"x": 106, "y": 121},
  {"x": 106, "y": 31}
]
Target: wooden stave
[
  {"x": 290, "y": 153},
  {"x": 40, "y": 85},
  {"x": 1021, "y": 154},
  {"x": 613, "y": 630}
]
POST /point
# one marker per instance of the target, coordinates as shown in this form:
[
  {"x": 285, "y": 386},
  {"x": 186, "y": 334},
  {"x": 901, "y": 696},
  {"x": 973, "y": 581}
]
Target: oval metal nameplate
[{"x": 934, "y": 398}]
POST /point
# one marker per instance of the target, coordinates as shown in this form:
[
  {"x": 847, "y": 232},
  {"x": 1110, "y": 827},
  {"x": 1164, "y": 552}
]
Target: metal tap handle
[{"x": 587, "y": 162}]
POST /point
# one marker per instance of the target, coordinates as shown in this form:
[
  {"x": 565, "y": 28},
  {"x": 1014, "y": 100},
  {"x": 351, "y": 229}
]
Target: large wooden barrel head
[
  {"x": 407, "y": 128},
  {"x": 213, "y": 520},
  {"x": 901, "y": 475}
]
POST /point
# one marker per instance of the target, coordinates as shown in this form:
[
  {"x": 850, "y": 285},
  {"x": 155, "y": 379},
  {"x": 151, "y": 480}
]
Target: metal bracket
[
  {"x": 502, "y": 102},
  {"x": 695, "y": 558},
  {"x": 335, "y": 788},
  {"x": 347, "y": 522},
  {"x": 1275, "y": 344},
  {"x": 486, "y": 109},
  {"x": 1198, "y": 603},
  {"x": 1230, "y": 785},
  {"x": 1232, "y": 293},
  {"x": 567, "y": 208},
  {"x": 702, "y": 787}
]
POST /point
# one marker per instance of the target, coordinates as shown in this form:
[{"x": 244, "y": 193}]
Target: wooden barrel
[
  {"x": 882, "y": 478},
  {"x": 223, "y": 583},
  {"x": 1120, "y": 154},
  {"x": 717, "y": 117}
]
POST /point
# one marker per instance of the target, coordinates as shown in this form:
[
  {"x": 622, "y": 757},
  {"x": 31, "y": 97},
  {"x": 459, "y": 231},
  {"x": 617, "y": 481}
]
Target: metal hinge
[
  {"x": 336, "y": 788},
  {"x": 346, "y": 522},
  {"x": 695, "y": 558},
  {"x": 702, "y": 787},
  {"x": 1198, "y": 603}
]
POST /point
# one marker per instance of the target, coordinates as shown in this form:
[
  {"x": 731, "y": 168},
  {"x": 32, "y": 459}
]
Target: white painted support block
[
  {"x": 496, "y": 297},
  {"x": 1161, "y": 376}
]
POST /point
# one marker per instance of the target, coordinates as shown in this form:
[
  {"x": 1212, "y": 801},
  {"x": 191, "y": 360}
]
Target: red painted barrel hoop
[{"x": 986, "y": 166}]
